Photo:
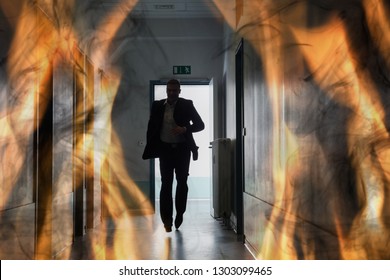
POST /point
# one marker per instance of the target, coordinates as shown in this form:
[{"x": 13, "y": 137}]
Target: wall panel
[
  {"x": 316, "y": 107},
  {"x": 17, "y": 233}
]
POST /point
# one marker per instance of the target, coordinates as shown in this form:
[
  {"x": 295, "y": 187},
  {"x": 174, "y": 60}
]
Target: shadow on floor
[{"x": 200, "y": 237}]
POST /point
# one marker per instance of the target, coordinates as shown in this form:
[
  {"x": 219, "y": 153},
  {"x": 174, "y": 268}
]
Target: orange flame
[
  {"x": 39, "y": 47},
  {"x": 293, "y": 39},
  {"x": 289, "y": 48}
]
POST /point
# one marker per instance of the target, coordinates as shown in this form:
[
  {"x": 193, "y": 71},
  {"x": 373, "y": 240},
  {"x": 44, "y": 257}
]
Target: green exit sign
[{"x": 182, "y": 70}]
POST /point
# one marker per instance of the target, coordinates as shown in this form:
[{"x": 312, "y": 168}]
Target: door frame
[
  {"x": 239, "y": 166},
  {"x": 152, "y": 84}
]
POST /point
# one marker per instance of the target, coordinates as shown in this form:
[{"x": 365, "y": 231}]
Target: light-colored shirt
[{"x": 168, "y": 124}]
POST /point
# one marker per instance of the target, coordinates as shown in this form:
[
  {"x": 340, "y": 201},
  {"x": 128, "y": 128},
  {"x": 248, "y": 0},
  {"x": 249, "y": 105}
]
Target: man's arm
[
  {"x": 153, "y": 121},
  {"x": 197, "y": 122}
]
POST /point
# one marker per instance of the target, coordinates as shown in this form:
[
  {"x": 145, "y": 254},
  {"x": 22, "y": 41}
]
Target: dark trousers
[{"x": 175, "y": 158}]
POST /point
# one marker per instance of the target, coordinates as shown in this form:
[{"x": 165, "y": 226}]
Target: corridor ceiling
[{"x": 168, "y": 8}]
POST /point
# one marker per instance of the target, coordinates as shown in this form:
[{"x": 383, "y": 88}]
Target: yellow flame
[
  {"x": 368, "y": 120},
  {"x": 329, "y": 61},
  {"x": 330, "y": 55},
  {"x": 107, "y": 30},
  {"x": 35, "y": 48}
]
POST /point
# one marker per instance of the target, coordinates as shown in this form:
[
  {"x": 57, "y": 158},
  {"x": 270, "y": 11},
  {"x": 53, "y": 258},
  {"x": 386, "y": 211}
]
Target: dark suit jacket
[{"x": 185, "y": 115}]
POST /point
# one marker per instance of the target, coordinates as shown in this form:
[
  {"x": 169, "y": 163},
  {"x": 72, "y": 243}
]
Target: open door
[{"x": 199, "y": 181}]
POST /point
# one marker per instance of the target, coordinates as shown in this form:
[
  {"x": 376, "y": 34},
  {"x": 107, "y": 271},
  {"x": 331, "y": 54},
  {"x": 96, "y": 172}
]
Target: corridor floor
[{"x": 201, "y": 237}]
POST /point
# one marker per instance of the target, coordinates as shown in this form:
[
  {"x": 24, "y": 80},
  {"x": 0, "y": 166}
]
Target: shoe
[
  {"x": 168, "y": 228},
  {"x": 178, "y": 221}
]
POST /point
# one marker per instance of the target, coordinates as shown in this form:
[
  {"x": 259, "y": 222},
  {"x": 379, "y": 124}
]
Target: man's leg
[
  {"x": 182, "y": 165},
  {"x": 166, "y": 203}
]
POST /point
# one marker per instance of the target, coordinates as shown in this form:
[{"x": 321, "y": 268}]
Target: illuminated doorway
[{"x": 199, "y": 180}]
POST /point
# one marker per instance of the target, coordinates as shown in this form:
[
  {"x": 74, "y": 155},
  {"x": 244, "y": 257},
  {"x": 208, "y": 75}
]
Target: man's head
[{"x": 173, "y": 91}]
